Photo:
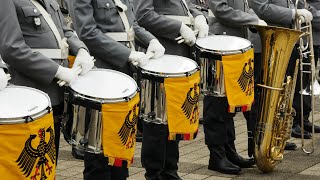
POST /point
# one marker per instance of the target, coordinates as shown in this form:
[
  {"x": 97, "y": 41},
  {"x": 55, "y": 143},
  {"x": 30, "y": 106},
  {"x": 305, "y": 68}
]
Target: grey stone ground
[{"x": 194, "y": 157}]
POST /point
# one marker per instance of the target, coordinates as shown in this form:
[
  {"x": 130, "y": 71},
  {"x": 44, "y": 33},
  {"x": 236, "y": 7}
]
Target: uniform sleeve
[
  {"x": 100, "y": 45},
  {"x": 159, "y": 25},
  {"x": 193, "y": 10},
  {"x": 17, "y": 54},
  {"x": 315, "y": 10},
  {"x": 271, "y": 13},
  {"x": 141, "y": 34},
  {"x": 74, "y": 42},
  {"x": 232, "y": 17}
]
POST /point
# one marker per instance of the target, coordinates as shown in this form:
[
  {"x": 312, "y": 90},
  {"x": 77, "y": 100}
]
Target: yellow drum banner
[
  {"x": 239, "y": 80},
  {"x": 182, "y": 98},
  {"x": 27, "y": 150},
  {"x": 119, "y": 131}
]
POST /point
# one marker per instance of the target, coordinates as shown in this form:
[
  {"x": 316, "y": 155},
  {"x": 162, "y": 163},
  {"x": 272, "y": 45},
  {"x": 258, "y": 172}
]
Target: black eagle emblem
[
  {"x": 31, "y": 156},
  {"x": 245, "y": 80},
  {"x": 127, "y": 132},
  {"x": 190, "y": 106}
]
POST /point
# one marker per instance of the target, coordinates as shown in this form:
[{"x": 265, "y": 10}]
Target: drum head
[
  {"x": 223, "y": 43},
  {"x": 105, "y": 84},
  {"x": 17, "y": 102},
  {"x": 170, "y": 64}
]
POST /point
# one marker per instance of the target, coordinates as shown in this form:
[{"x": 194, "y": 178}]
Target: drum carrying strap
[
  {"x": 122, "y": 8},
  {"x": 188, "y": 20},
  {"x": 61, "y": 53},
  {"x": 182, "y": 104}
]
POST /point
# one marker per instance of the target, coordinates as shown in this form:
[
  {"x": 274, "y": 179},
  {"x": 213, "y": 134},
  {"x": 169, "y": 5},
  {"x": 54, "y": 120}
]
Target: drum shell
[
  {"x": 83, "y": 121},
  {"x": 212, "y": 74}
]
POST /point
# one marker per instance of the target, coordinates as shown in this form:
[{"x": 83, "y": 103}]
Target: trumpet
[{"x": 306, "y": 52}]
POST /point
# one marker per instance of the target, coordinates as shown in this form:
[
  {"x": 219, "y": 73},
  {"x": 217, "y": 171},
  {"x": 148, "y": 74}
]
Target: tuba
[{"x": 275, "y": 112}]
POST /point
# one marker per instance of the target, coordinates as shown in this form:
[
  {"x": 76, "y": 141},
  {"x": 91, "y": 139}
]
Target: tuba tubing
[{"x": 274, "y": 118}]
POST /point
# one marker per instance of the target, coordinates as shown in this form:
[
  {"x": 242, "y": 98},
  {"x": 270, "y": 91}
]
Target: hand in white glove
[
  {"x": 84, "y": 60},
  {"x": 138, "y": 58},
  {"x": 67, "y": 75},
  {"x": 200, "y": 23},
  {"x": 187, "y": 34},
  {"x": 262, "y": 23},
  {"x": 3, "y": 79},
  {"x": 307, "y": 15},
  {"x": 155, "y": 48}
]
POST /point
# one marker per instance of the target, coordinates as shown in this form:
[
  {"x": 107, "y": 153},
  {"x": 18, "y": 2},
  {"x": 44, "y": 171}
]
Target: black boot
[
  {"x": 290, "y": 146},
  {"x": 308, "y": 126},
  {"x": 77, "y": 153},
  {"x": 219, "y": 162},
  {"x": 296, "y": 132},
  {"x": 235, "y": 158}
]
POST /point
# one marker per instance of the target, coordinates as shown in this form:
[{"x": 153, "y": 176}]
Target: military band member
[
  {"x": 166, "y": 19},
  {"x": 282, "y": 13},
  {"x": 3, "y": 75},
  {"x": 231, "y": 18},
  {"x": 36, "y": 49},
  {"x": 110, "y": 31}
]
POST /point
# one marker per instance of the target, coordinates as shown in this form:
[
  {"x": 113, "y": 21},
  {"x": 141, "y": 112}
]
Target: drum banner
[
  {"x": 119, "y": 131},
  {"x": 182, "y": 98},
  {"x": 27, "y": 150},
  {"x": 239, "y": 80}
]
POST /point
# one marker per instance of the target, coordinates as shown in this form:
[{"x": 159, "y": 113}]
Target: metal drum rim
[
  {"x": 219, "y": 52},
  {"x": 107, "y": 100},
  {"x": 35, "y": 116},
  {"x": 173, "y": 75}
]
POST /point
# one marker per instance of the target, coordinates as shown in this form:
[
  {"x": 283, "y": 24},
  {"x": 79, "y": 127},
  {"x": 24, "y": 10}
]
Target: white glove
[
  {"x": 138, "y": 57},
  {"x": 187, "y": 34},
  {"x": 3, "y": 79},
  {"x": 84, "y": 60},
  {"x": 66, "y": 74},
  {"x": 155, "y": 48},
  {"x": 200, "y": 23},
  {"x": 307, "y": 15},
  {"x": 262, "y": 23}
]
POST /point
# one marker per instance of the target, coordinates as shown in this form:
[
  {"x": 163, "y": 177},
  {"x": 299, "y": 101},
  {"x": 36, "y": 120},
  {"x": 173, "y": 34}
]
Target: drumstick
[
  {"x": 8, "y": 77},
  {"x": 180, "y": 38},
  {"x": 78, "y": 70},
  {"x": 149, "y": 56}
]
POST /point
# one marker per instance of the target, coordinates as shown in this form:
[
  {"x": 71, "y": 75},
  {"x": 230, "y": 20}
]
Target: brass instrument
[
  {"x": 275, "y": 106},
  {"x": 306, "y": 52}
]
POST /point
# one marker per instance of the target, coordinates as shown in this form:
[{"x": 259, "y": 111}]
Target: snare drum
[
  {"x": 153, "y": 93},
  {"x": 209, "y": 52},
  {"x": 26, "y": 134},
  {"x": 86, "y": 96}
]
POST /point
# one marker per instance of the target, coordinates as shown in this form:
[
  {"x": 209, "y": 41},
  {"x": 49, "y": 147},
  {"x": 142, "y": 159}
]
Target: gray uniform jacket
[
  {"x": 232, "y": 17},
  {"x": 19, "y": 34},
  {"x": 274, "y": 12},
  {"x": 150, "y": 14},
  {"x": 93, "y": 18},
  {"x": 279, "y": 13}
]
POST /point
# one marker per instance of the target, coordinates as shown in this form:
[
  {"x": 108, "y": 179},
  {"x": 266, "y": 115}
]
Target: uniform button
[
  {"x": 35, "y": 10},
  {"x": 107, "y": 4}
]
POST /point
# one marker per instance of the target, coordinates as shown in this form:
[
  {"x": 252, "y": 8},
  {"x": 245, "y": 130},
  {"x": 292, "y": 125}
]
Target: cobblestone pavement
[{"x": 194, "y": 157}]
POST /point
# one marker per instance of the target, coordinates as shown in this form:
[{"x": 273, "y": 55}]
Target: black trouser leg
[
  {"x": 96, "y": 168},
  {"x": 158, "y": 155},
  {"x": 216, "y": 120},
  {"x": 153, "y": 149}
]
